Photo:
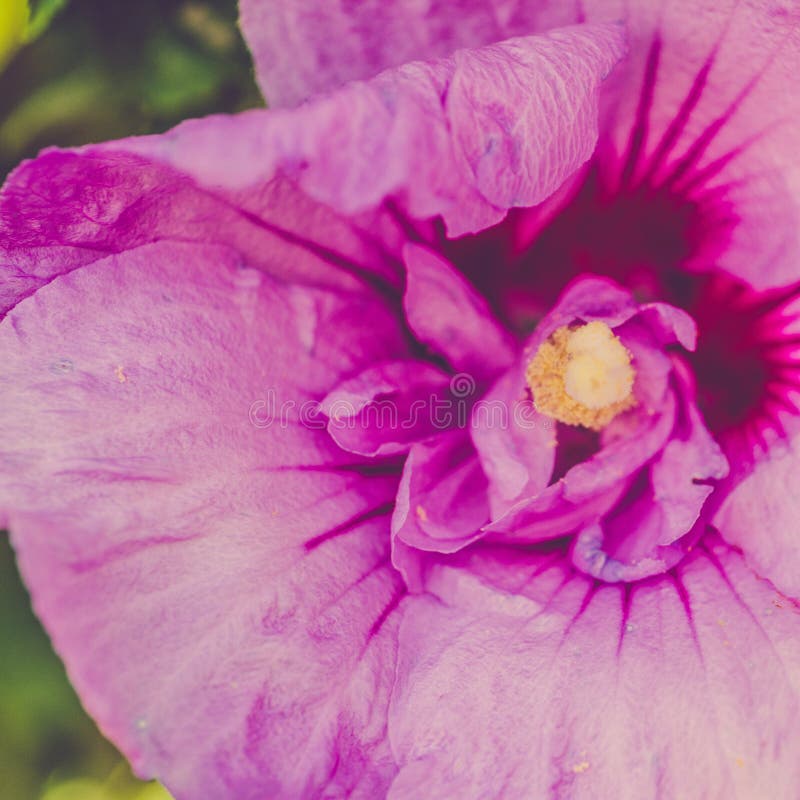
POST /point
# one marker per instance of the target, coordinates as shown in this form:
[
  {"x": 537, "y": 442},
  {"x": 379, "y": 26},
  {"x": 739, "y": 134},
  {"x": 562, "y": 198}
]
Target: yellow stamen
[{"x": 582, "y": 376}]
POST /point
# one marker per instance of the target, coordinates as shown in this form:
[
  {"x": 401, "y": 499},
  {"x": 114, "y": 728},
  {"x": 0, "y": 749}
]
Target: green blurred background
[{"x": 91, "y": 70}]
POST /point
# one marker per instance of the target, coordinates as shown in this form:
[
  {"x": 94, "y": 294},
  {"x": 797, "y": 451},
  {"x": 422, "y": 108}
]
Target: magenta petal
[
  {"x": 671, "y": 325},
  {"x": 400, "y": 135},
  {"x": 384, "y": 409},
  {"x": 67, "y": 209},
  {"x": 450, "y": 317},
  {"x": 215, "y": 576},
  {"x": 551, "y": 686}
]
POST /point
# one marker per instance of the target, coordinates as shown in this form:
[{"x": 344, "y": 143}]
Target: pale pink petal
[
  {"x": 518, "y": 678},
  {"x": 704, "y": 110},
  {"x": 701, "y": 105},
  {"x": 213, "y": 570},
  {"x": 762, "y": 517}
]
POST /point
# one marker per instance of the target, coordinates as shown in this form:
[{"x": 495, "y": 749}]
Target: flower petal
[
  {"x": 430, "y": 135},
  {"x": 67, "y": 209},
  {"x": 386, "y": 408},
  {"x": 449, "y": 316},
  {"x": 216, "y": 578},
  {"x": 516, "y": 445},
  {"x": 704, "y": 112},
  {"x": 545, "y": 685},
  {"x": 761, "y": 514},
  {"x": 659, "y": 522},
  {"x": 303, "y": 47},
  {"x": 441, "y": 502}
]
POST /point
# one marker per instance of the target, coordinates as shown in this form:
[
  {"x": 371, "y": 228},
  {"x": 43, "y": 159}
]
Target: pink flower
[{"x": 261, "y": 589}]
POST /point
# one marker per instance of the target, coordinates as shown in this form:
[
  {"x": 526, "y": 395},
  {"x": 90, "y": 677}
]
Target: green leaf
[{"x": 43, "y": 13}]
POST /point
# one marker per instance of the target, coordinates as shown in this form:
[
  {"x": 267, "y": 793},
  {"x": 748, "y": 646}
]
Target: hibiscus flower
[{"x": 582, "y": 216}]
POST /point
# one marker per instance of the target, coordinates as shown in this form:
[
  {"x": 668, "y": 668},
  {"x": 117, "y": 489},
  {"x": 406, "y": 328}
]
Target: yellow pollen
[{"x": 582, "y": 376}]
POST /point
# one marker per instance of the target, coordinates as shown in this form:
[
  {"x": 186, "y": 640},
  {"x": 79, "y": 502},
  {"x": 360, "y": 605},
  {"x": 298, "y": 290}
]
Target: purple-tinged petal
[
  {"x": 703, "y": 113},
  {"x": 586, "y": 299},
  {"x": 214, "y": 572},
  {"x": 623, "y": 453},
  {"x": 441, "y": 502},
  {"x": 386, "y": 408},
  {"x": 402, "y": 135},
  {"x": 547, "y": 685},
  {"x": 550, "y": 514},
  {"x": 761, "y": 513},
  {"x": 653, "y": 369},
  {"x": 590, "y": 298},
  {"x": 686, "y": 472},
  {"x": 594, "y": 549},
  {"x": 654, "y": 527},
  {"x": 659, "y": 522},
  {"x": 671, "y": 325},
  {"x": 515, "y": 444},
  {"x": 304, "y": 47},
  {"x": 67, "y": 209},
  {"x": 450, "y": 317}
]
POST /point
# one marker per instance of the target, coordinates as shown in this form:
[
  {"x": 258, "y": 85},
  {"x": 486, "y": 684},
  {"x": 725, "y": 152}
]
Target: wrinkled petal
[
  {"x": 303, "y": 47},
  {"x": 450, "y": 317},
  {"x": 760, "y": 515},
  {"x": 701, "y": 105},
  {"x": 412, "y": 134},
  {"x": 214, "y": 572},
  {"x": 384, "y": 409},
  {"x": 68, "y": 209},
  {"x": 544, "y": 684}
]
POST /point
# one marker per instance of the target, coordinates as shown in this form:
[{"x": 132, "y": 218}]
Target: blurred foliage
[
  {"x": 14, "y": 16},
  {"x": 49, "y": 748},
  {"x": 105, "y": 69},
  {"x": 91, "y": 70}
]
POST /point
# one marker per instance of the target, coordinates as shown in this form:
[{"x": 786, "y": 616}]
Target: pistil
[{"x": 582, "y": 375}]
